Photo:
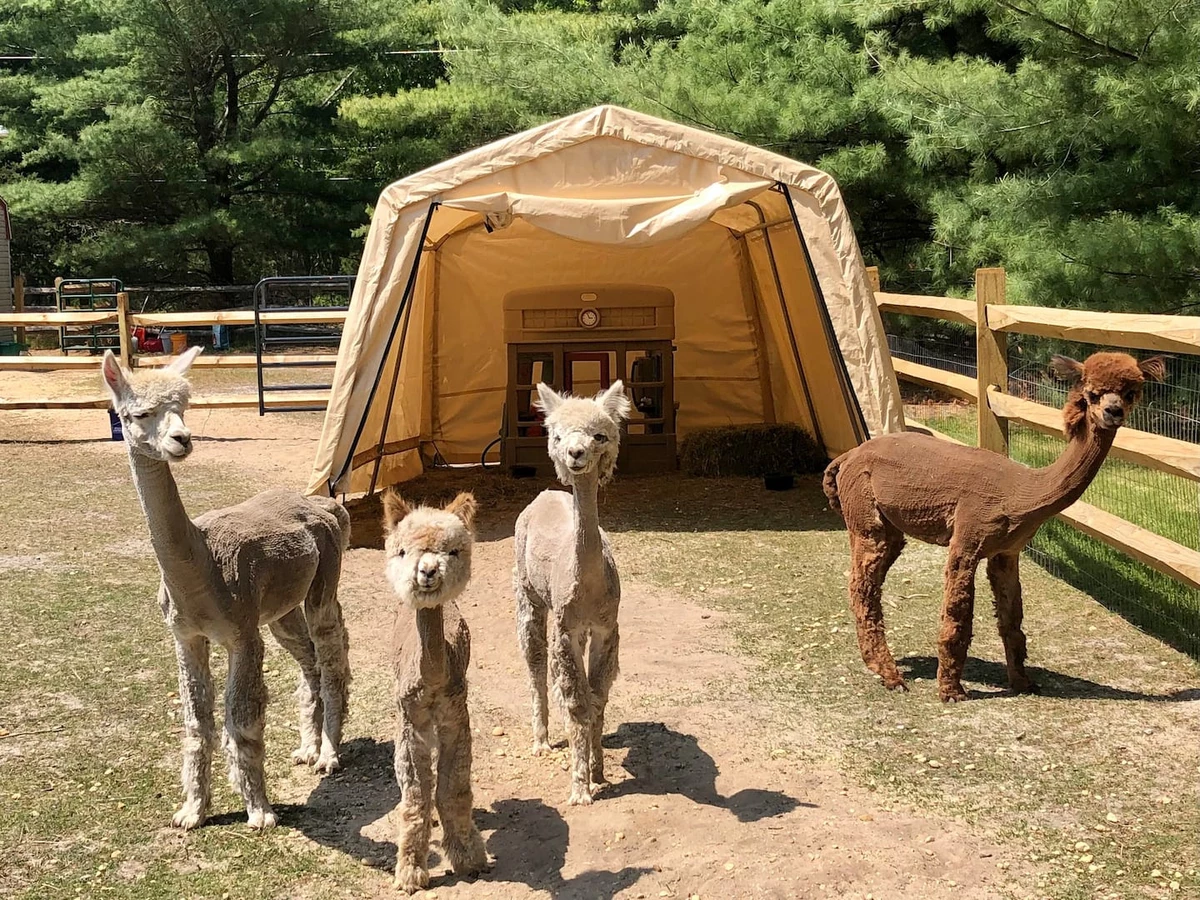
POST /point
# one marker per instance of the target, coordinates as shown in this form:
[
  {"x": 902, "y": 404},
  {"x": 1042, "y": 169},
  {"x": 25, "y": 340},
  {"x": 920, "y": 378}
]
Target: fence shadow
[
  {"x": 1050, "y": 683},
  {"x": 663, "y": 761}
]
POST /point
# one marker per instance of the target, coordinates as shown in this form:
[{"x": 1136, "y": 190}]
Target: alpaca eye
[
  {"x": 454, "y": 552},
  {"x": 601, "y": 438},
  {"x": 1129, "y": 396},
  {"x": 1092, "y": 396},
  {"x": 402, "y": 554},
  {"x": 140, "y": 415}
]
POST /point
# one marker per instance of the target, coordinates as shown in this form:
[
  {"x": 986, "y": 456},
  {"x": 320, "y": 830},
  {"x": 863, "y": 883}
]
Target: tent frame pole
[
  {"x": 387, "y": 410},
  {"x": 862, "y": 432},
  {"x": 787, "y": 319},
  {"x": 387, "y": 349}
]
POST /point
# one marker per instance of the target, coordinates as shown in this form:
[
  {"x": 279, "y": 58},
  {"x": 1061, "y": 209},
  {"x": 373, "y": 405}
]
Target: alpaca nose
[
  {"x": 577, "y": 452},
  {"x": 1116, "y": 410},
  {"x": 427, "y": 569},
  {"x": 183, "y": 437}
]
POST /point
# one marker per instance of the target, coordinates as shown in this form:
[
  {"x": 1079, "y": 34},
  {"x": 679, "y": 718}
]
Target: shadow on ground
[
  {"x": 663, "y": 761},
  {"x": 528, "y": 844},
  {"x": 1050, "y": 683},
  {"x": 664, "y": 503}
]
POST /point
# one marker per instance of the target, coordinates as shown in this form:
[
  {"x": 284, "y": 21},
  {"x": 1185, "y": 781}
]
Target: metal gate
[
  {"x": 93, "y": 295},
  {"x": 326, "y": 293}
]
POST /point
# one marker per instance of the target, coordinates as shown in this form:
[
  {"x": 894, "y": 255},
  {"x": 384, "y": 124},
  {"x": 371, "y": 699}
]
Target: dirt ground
[{"x": 707, "y": 797}]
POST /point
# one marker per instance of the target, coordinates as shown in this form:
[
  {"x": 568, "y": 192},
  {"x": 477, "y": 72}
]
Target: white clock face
[{"x": 589, "y": 318}]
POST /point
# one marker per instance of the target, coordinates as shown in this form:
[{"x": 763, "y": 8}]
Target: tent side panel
[{"x": 837, "y": 263}]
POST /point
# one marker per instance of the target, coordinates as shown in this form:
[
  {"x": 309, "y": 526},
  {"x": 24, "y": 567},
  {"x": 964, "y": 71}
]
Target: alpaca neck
[
  {"x": 178, "y": 544},
  {"x": 1061, "y": 483},
  {"x": 588, "y": 552},
  {"x": 433, "y": 644}
]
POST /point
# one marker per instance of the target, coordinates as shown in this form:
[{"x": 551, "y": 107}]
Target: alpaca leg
[
  {"x": 1005, "y": 576},
  {"x": 292, "y": 633},
  {"x": 870, "y": 558},
  {"x": 460, "y": 838},
  {"x": 602, "y": 672},
  {"x": 958, "y": 610},
  {"x": 414, "y": 774},
  {"x": 573, "y": 694},
  {"x": 245, "y": 712},
  {"x": 531, "y": 634},
  {"x": 196, "y": 699},
  {"x": 323, "y": 613}
]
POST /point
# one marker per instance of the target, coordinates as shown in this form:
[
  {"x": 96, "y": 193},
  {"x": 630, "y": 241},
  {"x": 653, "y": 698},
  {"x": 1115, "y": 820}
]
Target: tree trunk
[{"x": 220, "y": 264}]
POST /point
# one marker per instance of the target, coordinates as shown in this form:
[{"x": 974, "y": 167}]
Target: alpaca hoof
[
  {"x": 328, "y": 763},
  {"x": 953, "y": 695},
  {"x": 897, "y": 685},
  {"x": 411, "y": 879},
  {"x": 189, "y": 817},
  {"x": 305, "y": 756},
  {"x": 1027, "y": 686},
  {"x": 261, "y": 819},
  {"x": 468, "y": 858},
  {"x": 540, "y": 748},
  {"x": 580, "y": 796}
]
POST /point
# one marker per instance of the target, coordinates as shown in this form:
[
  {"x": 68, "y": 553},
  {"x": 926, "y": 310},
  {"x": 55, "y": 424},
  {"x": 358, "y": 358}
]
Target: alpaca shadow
[
  {"x": 529, "y": 843},
  {"x": 1050, "y": 683},
  {"x": 663, "y": 761},
  {"x": 343, "y": 804}
]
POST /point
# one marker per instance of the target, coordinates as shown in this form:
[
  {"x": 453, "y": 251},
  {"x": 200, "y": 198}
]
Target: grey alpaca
[
  {"x": 565, "y": 576},
  {"x": 274, "y": 559},
  {"x": 429, "y": 564}
]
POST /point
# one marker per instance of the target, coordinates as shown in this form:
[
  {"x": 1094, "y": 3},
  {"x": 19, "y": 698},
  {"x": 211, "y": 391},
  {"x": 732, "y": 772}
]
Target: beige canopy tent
[{"x": 774, "y": 320}]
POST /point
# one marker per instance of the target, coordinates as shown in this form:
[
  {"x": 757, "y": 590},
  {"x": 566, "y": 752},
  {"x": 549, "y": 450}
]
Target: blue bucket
[{"x": 114, "y": 423}]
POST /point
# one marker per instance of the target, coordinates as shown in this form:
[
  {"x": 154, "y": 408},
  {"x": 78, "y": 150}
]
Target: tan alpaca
[
  {"x": 980, "y": 504},
  {"x": 565, "y": 573},
  {"x": 429, "y": 564},
  {"x": 274, "y": 559}
]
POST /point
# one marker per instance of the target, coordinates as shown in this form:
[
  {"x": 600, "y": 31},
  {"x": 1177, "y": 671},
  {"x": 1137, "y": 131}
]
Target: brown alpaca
[
  {"x": 979, "y": 504},
  {"x": 429, "y": 564}
]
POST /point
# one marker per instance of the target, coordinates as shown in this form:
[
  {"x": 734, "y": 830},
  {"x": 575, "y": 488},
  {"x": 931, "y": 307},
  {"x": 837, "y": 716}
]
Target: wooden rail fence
[
  {"x": 994, "y": 320},
  {"x": 126, "y": 321}
]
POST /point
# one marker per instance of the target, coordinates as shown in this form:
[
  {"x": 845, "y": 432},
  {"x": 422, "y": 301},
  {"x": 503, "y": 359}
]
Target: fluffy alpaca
[
  {"x": 565, "y": 573},
  {"x": 428, "y": 565},
  {"x": 274, "y": 559},
  {"x": 979, "y": 504}
]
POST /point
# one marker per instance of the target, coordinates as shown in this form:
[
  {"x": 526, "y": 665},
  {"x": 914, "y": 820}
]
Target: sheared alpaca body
[
  {"x": 566, "y": 583},
  {"x": 979, "y": 504},
  {"x": 429, "y": 565},
  {"x": 273, "y": 560}
]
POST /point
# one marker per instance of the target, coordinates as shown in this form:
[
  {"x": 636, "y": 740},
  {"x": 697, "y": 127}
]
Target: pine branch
[{"x": 1068, "y": 30}]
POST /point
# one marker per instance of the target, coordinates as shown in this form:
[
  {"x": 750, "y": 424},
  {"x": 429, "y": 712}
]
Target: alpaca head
[
  {"x": 584, "y": 432},
  {"x": 151, "y": 406},
  {"x": 1106, "y": 387},
  {"x": 428, "y": 549}
]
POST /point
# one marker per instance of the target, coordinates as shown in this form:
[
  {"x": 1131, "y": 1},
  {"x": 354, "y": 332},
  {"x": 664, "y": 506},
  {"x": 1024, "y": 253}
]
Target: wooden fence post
[
  {"x": 991, "y": 358},
  {"x": 19, "y": 306},
  {"x": 873, "y": 278},
  {"x": 124, "y": 335}
]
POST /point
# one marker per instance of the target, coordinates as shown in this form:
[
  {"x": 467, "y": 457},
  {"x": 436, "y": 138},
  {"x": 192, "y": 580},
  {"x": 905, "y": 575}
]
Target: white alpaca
[
  {"x": 565, "y": 573},
  {"x": 274, "y": 559}
]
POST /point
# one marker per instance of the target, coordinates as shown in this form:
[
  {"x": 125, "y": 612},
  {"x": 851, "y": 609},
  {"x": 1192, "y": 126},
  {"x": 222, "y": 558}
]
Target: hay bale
[{"x": 754, "y": 450}]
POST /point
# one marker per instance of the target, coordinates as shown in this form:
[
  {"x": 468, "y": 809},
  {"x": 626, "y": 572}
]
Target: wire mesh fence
[{"x": 1166, "y": 504}]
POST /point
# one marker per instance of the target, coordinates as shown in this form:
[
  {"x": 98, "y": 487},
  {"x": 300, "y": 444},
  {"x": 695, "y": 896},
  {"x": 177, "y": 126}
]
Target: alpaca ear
[
  {"x": 114, "y": 378},
  {"x": 1154, "y": 368},
  {"x": 614, "y": 401},
  {"x": 465, "y": 507},
  {"x": 186, "y": 358},
  {"x": 548, "y": 399},
  {"x": 395, "y": 508},
  {"x": 1065, "y": 368}
]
